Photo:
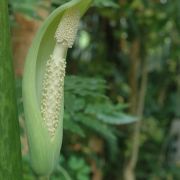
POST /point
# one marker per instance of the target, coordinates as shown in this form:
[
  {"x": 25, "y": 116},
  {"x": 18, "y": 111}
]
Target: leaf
[
  {"x": 84, "y": 85},
  {"x": 72, "y": 126},
  {"x": 79, "y": 167},
  {"x": 106, "y": 132},
  {"x": 73, "y": 103},
  {"x": 109, "y": 113},
  {"x": 116, "y": 118},
  {"x": 106, "y": 3}
]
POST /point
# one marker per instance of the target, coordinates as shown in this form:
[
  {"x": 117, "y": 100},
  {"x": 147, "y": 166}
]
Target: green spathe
[{"x": 43, "y": 151}]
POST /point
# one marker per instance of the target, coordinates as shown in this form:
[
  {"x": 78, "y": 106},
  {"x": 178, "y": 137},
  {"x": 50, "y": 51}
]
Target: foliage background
[{"x": 125, "y": 57}]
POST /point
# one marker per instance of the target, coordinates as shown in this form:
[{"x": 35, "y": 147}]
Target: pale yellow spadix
[{"x": 43, "y": 84}]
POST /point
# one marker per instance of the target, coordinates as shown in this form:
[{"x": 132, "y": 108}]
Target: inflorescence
[{"x": 53, "y": 82}]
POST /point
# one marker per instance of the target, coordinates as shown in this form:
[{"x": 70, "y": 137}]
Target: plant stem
[
  {"x": 137, "y": 100},
  {"x": 10, "y": 151},
  {"x": 64, "y": 172}
]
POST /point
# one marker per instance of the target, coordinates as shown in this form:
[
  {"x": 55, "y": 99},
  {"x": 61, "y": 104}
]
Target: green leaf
[
  {"x": 116, "y": 118},
  {"x": 109, "y": 113},
  {"x": 106, "y": 3},
  {"x": 106, "y": 132},
  {"x": 72, "y": 126}
]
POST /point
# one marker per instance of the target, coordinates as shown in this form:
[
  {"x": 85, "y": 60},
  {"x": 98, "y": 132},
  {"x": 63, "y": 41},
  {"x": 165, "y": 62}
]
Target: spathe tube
[{"x": 44, "y": 151}]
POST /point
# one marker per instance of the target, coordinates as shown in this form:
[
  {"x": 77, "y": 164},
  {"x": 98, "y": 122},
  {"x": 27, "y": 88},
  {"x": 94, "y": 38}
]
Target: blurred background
[{"x": 122, "y": 90}]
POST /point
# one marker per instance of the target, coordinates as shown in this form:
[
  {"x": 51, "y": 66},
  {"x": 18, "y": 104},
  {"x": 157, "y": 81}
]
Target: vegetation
[
  {"x": 10, "y": 156},
  {"x": 122, "y": 91}
]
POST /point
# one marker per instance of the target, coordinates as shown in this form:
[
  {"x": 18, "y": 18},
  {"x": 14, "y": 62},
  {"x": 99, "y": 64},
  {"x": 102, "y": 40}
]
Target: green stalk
[{"x": 10, "y": 151}]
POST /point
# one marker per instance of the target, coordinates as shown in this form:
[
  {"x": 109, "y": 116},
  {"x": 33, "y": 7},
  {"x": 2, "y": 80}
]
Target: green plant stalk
[
  {"x": 43, "y": 84},
  {"x": 10, "y": 149}
]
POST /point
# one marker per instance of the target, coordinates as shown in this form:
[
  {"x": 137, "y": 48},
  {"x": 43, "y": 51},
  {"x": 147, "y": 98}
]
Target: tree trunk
[
  {"x": 10, "y": 151},
  {"x": 137, "y": 106}
]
